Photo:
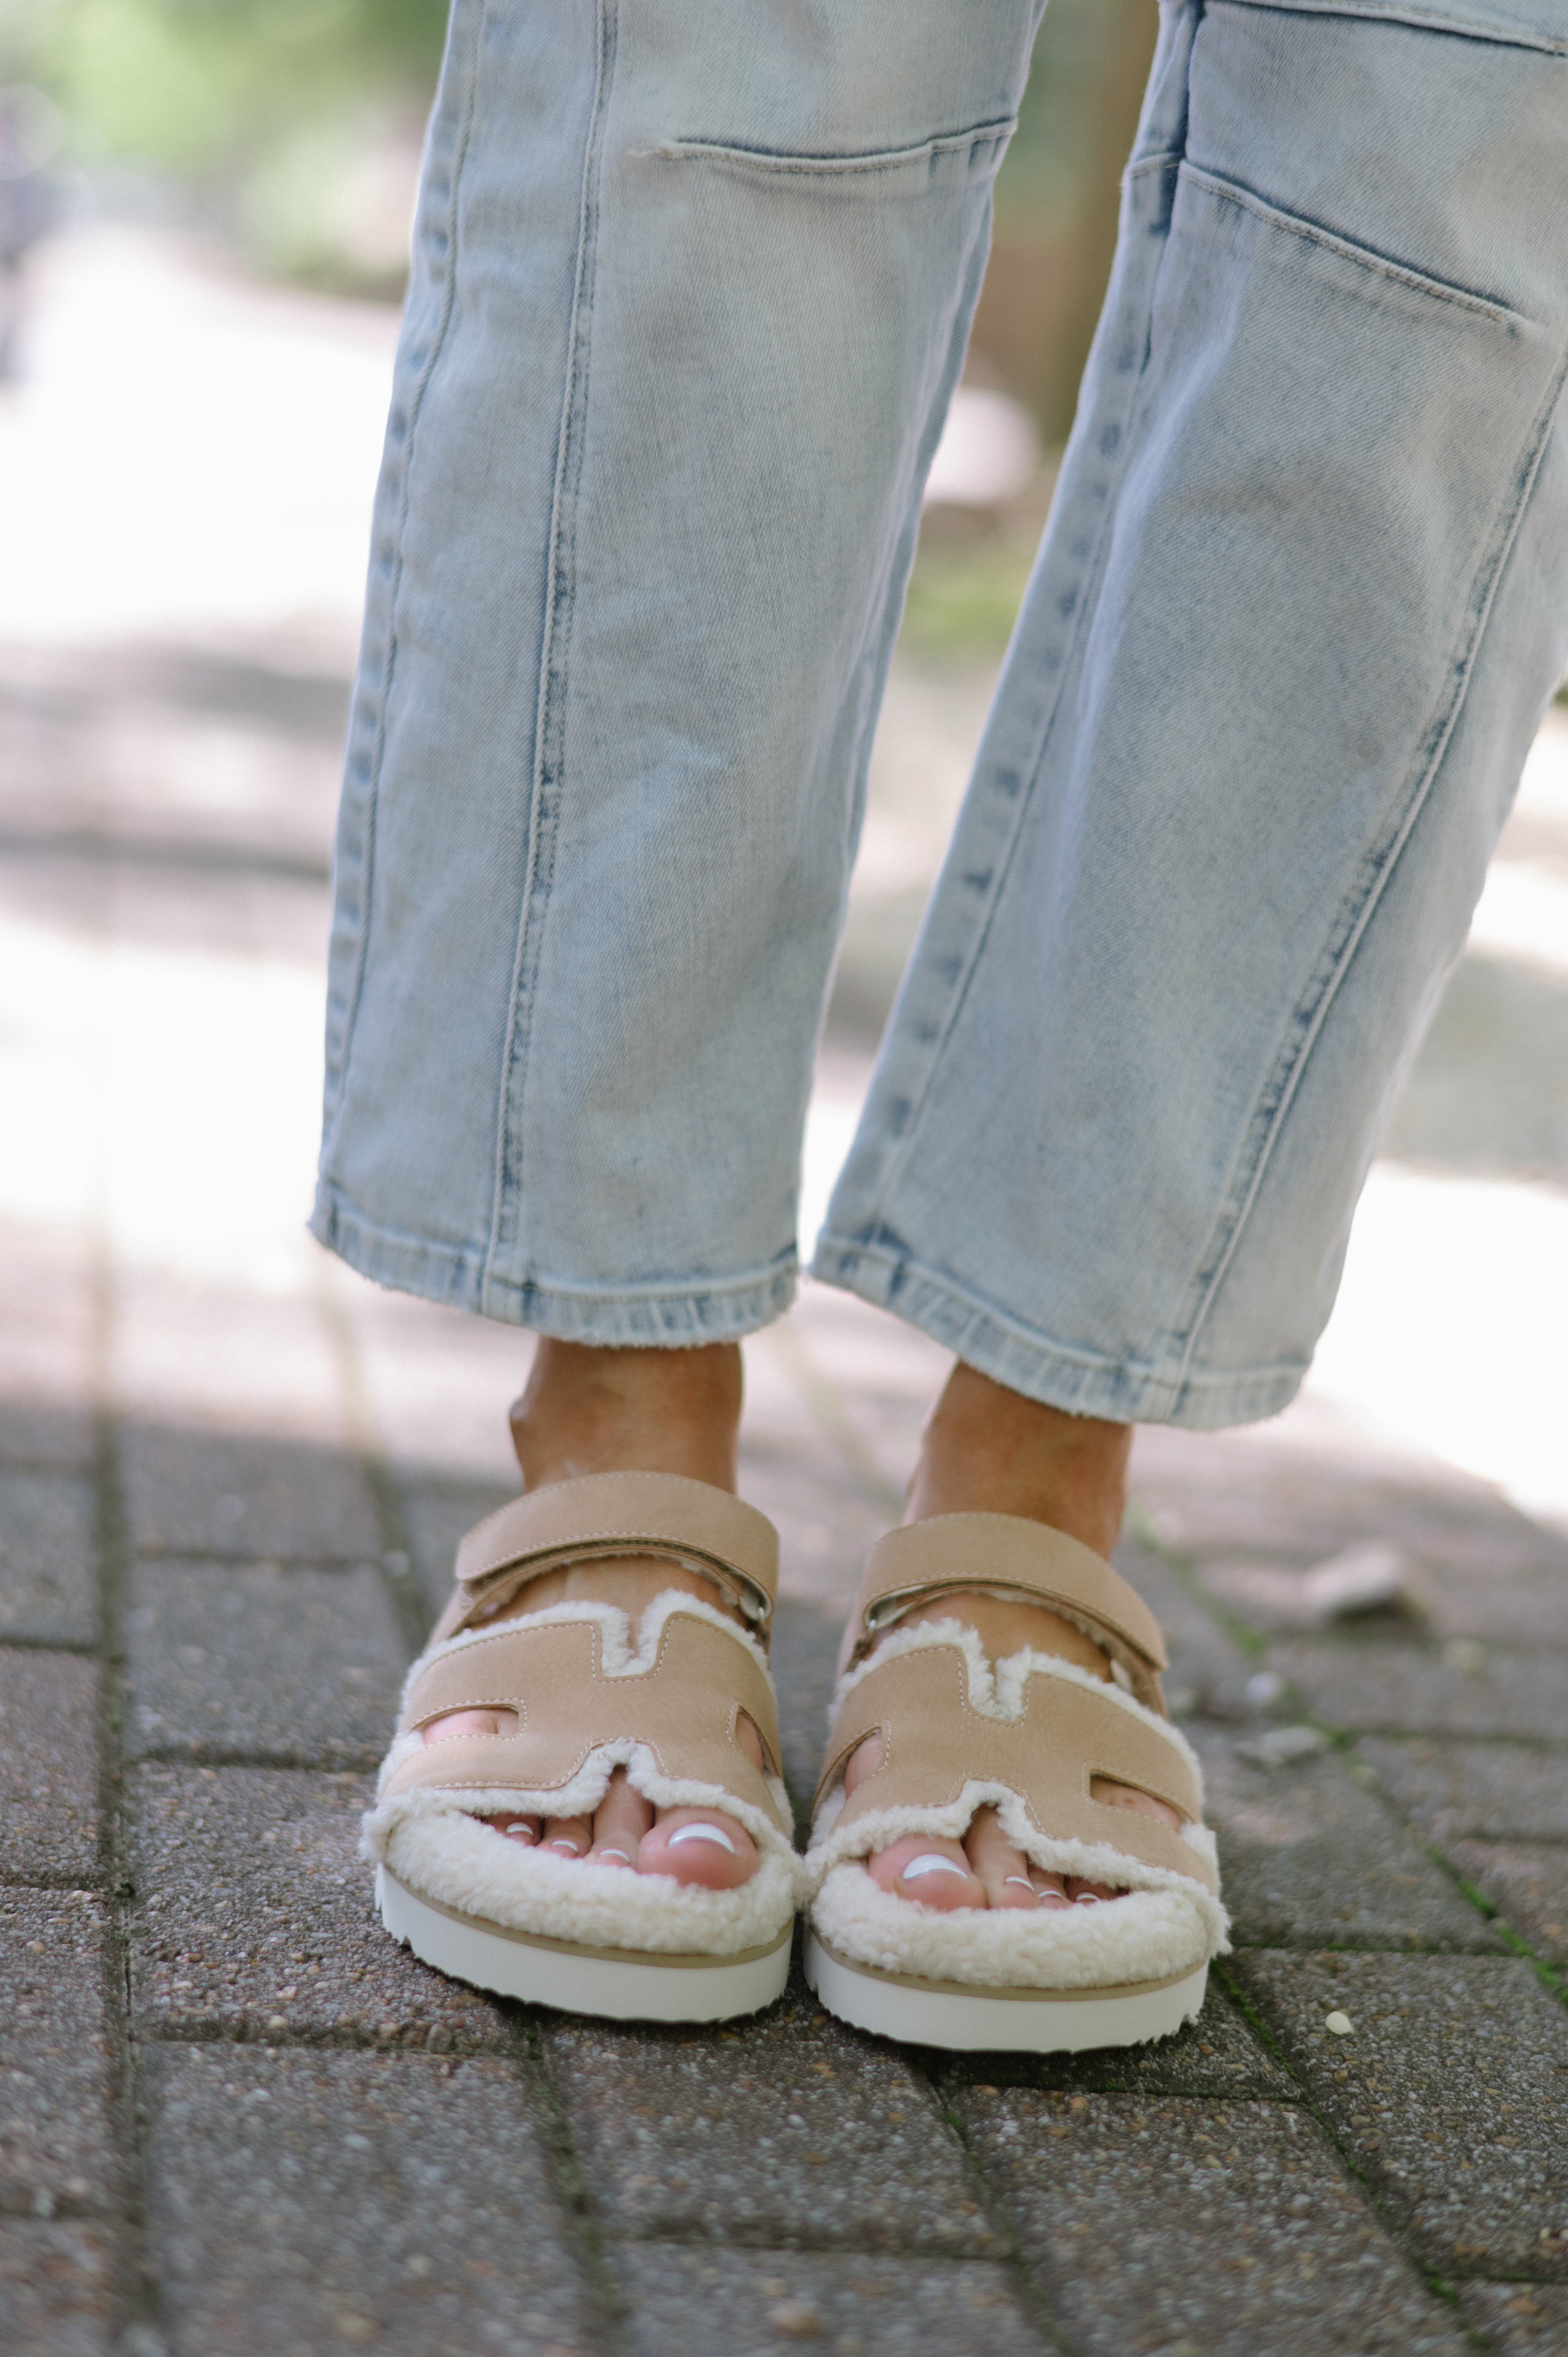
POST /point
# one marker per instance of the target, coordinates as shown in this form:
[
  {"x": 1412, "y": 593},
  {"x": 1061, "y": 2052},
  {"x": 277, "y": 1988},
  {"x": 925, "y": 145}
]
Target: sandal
[
  {"x": 1025, "y": 1737},
  {"x": 584, "y": 1937}
]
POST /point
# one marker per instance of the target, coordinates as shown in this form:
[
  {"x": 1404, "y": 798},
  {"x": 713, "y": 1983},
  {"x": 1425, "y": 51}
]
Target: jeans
[{"x": 692, "y": 281}]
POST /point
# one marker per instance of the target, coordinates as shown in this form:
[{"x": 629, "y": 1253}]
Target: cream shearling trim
[
  {"x": 452, "y": 1858},
  {"x": 1144, "y": 1936},
  {"x": 432, "y": 1840}
]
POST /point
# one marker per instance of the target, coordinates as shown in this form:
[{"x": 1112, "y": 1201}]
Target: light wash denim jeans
[{"x": 692, "y": 281}]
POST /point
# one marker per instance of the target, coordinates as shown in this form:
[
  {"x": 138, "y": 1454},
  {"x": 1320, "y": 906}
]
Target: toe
[
  {"x": 525, "y": 1830},
  {"x": 1088, "y": 1894},
  {"x": 620, "y": 1820},
  {"x": 568, "y": 1836},
  {"x": 1003, "y": 1871},
  {"x": 930, "y": 1872},
  {"x": 699, "y": 1845}
]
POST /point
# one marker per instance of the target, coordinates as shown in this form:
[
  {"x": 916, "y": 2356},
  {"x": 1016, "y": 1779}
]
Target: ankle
[
  {"x": 591, "y": 1409},
  {"x": 989, "y": 1450}
]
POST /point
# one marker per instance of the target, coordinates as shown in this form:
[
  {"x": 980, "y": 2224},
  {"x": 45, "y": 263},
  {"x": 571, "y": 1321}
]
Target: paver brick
[
  {"x": 761, "y": 2135},
  {"x": 714, "y": 2303},
  {"x": 1219, "y": 2055},
  {"x": 803, "y": 1656},
  {"x": 1451, "y": 2091},
  {"x": 434, "y": 1519},
  {"x": 1373, "y": 1686},
  {"x": 259, "y": 1660},
  {"x": 1496, "y": 1790},
  {"x": 48, "y": 1767},
  {"x": 1527, "y": 1882},
  {"x": 1310, "y": 1859},
  {"x": 1518, "y": 2319},
  {"x": 254, "y": 1919},
  {"x": 1199, "y": 2229},
  {"x": 395, "y": 2201},
  {"x": 194, "y": 1493},
  {"x": 56, "y": 2147},
  {"x": 1311, "y": 1487},
  {"x": 48, "y": 1589},
  {"x": 1208, "y": 1670},
  {"x": 57, "y": 2290},
  {"x": 1522, "y": 1607}
]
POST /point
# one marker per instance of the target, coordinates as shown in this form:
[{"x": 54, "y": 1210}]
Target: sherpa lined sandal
[
  {"x": 1026, "y": 1737},
  {"x": 589, "y": 1938}
]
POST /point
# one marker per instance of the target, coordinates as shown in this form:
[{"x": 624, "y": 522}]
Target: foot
[
  {"x": 595, "y": 1411},
  {"x": 989, "y": 1450}
]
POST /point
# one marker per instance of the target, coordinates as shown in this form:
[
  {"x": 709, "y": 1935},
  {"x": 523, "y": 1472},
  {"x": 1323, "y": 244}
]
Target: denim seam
[
  {"x": 1421, "y": 20},
  {"x": 1128, "y": 1388},
  {"x": 455, "y": 1274},
  {"x": 873, "y": 160},
  {"x": 548, "y": 752},
  {"x": 388, "y": 659},
  {"x": 1383, "y": 266},
  {"x": 1360, "y": 903},
  {"x": 1089, "y": 577}
]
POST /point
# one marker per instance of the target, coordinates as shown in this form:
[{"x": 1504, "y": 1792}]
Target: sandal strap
[
  {"x": 618, "y": 1514},
  {"x": 935, "y": 1742},
  {"x": 1004, "y": 1552},
  {"x": 686, "y": 1707}
]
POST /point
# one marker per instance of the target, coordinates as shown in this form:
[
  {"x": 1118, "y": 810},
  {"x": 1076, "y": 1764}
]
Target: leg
[
  {"x": 1302, "y": 602},
  {"x": 692, "y": 290},
  {"x": 688, "y": 305},
  {"x": 1303, "y": 599}
]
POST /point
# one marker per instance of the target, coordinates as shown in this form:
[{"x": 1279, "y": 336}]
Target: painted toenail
[
  {"x": 1021, "y": 1881},
  {"x": 931, "y": 1863},
  {"x": 1087, "y": 1898},
  {"x": 624, "y": 1854},
  {"x": 714, "y": 1833},
  {"x": 569, "y": 1846},
  {"x": 521, "y": 1831}
]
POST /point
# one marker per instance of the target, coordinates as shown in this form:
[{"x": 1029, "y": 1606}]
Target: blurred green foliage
[{"x": 204, "y": 89}]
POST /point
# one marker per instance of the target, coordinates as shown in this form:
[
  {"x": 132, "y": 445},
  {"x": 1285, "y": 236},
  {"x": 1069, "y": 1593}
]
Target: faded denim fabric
[{"x": 692, "y": 284}]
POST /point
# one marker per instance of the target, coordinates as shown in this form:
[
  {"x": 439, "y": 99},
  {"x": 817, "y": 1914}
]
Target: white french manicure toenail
[
  {"x": 1087, "y": 1898},
  {"x": 714, "y": 1833},
  {"x": 1021, "y": 1882},
  {"x": 624, "y": 1854},
  {"x": 931, "y": 1863},
  {"x": 518, "y": 1831},
  {"x": 569, "y": 1846}
]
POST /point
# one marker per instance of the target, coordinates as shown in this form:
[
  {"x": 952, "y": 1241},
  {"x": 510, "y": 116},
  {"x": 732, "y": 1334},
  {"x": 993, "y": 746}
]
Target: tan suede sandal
[
  {"x": 584, "y": 1937},
  {"x": 1025, "y": 1737}
]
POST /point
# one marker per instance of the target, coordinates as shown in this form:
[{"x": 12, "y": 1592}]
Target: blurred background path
[{"x": 232, "y": 1476}]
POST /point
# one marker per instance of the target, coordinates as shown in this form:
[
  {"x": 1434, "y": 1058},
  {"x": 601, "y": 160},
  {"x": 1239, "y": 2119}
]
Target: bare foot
[
  {"x": 596, "y": 1410},
  {"x": 989, "y": 1450}
]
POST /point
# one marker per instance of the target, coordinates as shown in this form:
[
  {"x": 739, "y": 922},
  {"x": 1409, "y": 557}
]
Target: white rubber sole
[
  {"x": 617, "y": 1984},
  {"x": 1003, "y": 2021}
]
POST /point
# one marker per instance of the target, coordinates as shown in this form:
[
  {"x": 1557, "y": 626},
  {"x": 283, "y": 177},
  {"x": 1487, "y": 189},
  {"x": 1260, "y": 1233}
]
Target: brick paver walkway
[{"x": 234, "y": 2118}]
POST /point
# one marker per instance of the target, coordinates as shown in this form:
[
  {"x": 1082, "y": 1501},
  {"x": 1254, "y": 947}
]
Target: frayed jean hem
[
  {"x": 676, "y": 1316},
  {"x": 1042, "y": 1369}
]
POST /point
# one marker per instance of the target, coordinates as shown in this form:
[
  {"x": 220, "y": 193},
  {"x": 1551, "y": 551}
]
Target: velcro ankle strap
[
  {"x": 705, "y": 1529},
  {"x": 1004, "y": 1554}
]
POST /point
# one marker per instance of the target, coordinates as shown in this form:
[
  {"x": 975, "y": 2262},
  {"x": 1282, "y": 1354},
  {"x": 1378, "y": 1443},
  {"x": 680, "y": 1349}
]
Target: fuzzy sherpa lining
[
  {"x": 1144, "y": 1936},
  {"x": 432, "y": 1838},
  {"x": 452, "y": 1858},
  {"x": 998, "y": 1692}
]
